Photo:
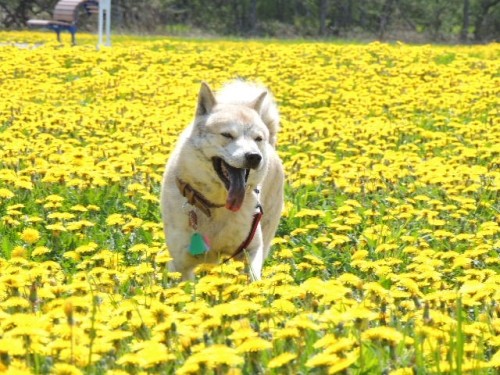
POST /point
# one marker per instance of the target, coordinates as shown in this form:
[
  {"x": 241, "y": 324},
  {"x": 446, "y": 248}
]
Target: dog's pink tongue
[{"x": 236, "y": 192}]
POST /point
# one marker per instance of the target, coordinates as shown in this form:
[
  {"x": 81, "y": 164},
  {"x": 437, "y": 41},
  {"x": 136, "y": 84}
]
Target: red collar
[{"x": 194, "y": 198}]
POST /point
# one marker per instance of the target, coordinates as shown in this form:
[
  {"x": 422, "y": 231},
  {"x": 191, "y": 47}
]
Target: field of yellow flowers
[{"x": 387, "y": 258}]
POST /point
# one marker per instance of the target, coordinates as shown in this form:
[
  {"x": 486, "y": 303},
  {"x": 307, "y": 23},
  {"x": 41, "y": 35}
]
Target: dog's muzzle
[
  {"x": 235, "y": 179},
  {"x": 253, "y": 160}
]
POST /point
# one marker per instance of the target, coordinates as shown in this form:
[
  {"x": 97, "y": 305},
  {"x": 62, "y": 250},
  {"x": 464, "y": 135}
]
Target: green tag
[{"x": 198, "y": 245}]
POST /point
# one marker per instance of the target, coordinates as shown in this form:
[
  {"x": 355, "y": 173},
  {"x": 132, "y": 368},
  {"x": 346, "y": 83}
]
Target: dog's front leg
[
  {"x": 178, "y": 243},
  {"x": 185, "y": 269},
  {"x": 256, "y": 256},
  {"x": 256, "y": 264}
]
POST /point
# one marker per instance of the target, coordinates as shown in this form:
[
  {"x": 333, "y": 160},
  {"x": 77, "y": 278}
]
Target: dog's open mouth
[{"x": 235, "y": 180}]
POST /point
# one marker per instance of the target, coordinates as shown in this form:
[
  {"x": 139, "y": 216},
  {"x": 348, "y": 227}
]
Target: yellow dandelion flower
[
  {"x": 287, "y": 332},
  {"x": 306, "y": 212},
  {"x": 130, "y": 359},
  {"x": 58, "y": 227},
  {"x": 284, "y": 254},
  {"x": 18, "y": 367},
  {"x": 79, "y": 208},
  {"x": 34, "y": 219},
  {"x": 153, "y": 353},
  {"x": 389, "y": 334},
  {"x": 284, "y": 305},
  {"x": 377, "y": 232},
  {"x": 190, "y": 366},
  {"x": 442, "y": 234},
  {"x": 115, "y": 219},
  {"x": 88, "y": 248},
  {"x": 242, "y": 334},
  {"x": 163, "y": 257},
  {"x": 436, "y": 222},
  {"x": 72, "y": 255},
  {"x": 117, "y": 372},
  {"x": 350, "y": 279},
  {"x": 254, "y": 344},
  {"x": 338, "y": 239},
  {"x": 6, "y": 193},
  {"x": 236, "y": 307},
  {"x": 66, "y": 369},
  {"x": 117, "y": 335},
  {"x": 279, "y": 241},
  {"x": 132, "y": 224},
  {"x": 281, "y": 360},
  {"x": 386, "y": 247},
  {"x": 15, "y": 302},
  {"x": 495, "y": 359},
  {"x": 30, "y": 235},
  {"x": 217, "y": 354},
  {"x": 344, "y": 363},
  {"x": 24, "y": 184},
  {"x": 12, "y": 346},
  {"x": 61, "y": 216},
  {"x": 360, "y": 255},
  {"x": 402, "y": 371},
  {"x": 54, "y": 198},
  {"x": 359, "y": 312},
  {"x": 322, "y": 360},
  {"x": 78, "y": 225},
  {"x": 332, "y": 344},
  {"x": 131, "y": 206},
  {"x": 13, "y": 210},
  {"x": 19, "y": 252}
]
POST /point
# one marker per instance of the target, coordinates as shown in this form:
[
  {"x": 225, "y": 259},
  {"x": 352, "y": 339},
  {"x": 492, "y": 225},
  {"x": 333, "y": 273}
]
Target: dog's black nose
[{"x": 253, "y": 159}]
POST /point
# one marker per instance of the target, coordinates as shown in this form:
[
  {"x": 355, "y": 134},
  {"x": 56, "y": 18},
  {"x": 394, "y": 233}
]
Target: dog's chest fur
[{"x": 224, "y": 229}]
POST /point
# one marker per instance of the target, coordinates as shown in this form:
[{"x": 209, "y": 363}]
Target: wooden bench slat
[
  {"x": 68, "y": 7},
  {"x": 38, "y": 22},
  {"x": 47, "y": 23}
]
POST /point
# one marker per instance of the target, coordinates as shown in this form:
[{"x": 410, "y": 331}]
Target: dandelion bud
[
  {"x": 185, "y": 342},
  {"x": 33, "y": 296},
  {"x": 68, "y": 311},
  {"x": 19, "y": 252}
]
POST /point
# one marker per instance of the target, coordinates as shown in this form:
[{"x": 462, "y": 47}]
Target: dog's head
[{"x": 234, "y": 138}]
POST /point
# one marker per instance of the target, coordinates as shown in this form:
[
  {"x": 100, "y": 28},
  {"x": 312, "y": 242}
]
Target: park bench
[{"x": 65, "y": 16}]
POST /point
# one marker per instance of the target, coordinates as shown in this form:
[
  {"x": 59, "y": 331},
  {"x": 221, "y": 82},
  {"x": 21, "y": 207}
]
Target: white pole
[
  {"x": 108, "y": 23},
  {"x": 99, "y": 28},
  {"x": 104, "y": 6}
]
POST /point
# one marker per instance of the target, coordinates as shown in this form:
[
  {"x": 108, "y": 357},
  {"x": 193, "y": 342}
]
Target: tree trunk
[
  {"x": 484, "y": 8},
  {"x": 465, "y": 22},
  {"x": 323, "y": 11},
  {"x": 17, "y": 14},
  {"x": 385, "y": 18},
  {"x": 253, "y": 17},
  {"x": 281, "y": 10}
]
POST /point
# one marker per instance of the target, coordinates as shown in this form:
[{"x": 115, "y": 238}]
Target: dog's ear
[
  {"x": 206, "y": 100},
  {"x": 257, "y": 103}
]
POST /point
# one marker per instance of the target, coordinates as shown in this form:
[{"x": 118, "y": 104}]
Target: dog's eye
[
  {"x": 258, "y": 139},
  {"x": 227, "y": 135}
]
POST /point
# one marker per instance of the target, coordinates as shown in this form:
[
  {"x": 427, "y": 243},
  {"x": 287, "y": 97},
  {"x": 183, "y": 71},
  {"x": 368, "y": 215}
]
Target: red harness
[
  {"x": 255, "y": 223},
  {"x": 194, "y": 198}
]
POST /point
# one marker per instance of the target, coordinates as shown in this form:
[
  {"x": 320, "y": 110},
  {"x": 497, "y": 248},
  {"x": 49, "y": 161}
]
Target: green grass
[{"x": 386, "y": 258}]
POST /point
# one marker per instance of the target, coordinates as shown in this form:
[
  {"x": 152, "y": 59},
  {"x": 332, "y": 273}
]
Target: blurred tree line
[{"x": 407, "y": 20}]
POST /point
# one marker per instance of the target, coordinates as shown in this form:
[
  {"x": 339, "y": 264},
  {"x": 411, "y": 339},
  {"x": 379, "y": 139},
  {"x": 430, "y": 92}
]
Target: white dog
[{"x": 222, "y": 191}]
